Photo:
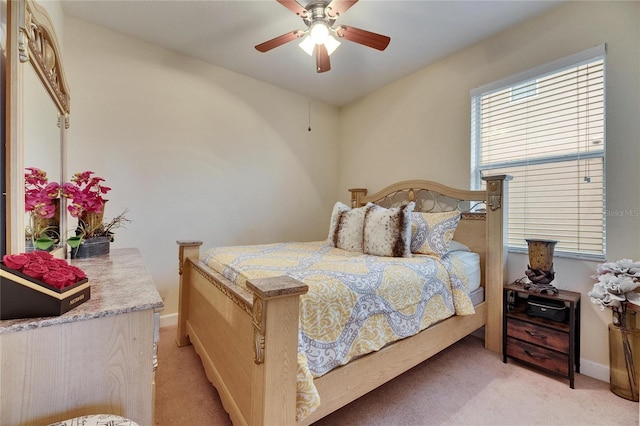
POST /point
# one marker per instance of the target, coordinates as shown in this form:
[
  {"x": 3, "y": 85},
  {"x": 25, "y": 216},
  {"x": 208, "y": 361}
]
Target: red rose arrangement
[{"x": 42, "y": 266}]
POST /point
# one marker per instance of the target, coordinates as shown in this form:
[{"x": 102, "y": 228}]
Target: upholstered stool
[{"x": 97, "y": 420}]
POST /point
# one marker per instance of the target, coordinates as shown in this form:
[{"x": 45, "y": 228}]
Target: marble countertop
[{"x": 120, "y": 283}]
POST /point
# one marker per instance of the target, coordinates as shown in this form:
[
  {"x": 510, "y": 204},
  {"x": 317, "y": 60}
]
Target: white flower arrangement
[
  {"x": 615, "y": 289},
  {"x": 616, "y": 282}
]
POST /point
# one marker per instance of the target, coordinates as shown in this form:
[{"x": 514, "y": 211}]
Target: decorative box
[
  {"x": 554, "y": 310},
  {"x": 22, "y": 296}
]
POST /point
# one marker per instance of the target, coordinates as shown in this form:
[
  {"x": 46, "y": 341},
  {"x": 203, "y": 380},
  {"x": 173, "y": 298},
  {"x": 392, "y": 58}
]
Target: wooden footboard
[
  {"x": 247, "y": 339},
  {"x": 248, "y": 343}
]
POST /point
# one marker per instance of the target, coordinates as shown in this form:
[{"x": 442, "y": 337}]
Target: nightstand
[{"x": 548, "y": 345}]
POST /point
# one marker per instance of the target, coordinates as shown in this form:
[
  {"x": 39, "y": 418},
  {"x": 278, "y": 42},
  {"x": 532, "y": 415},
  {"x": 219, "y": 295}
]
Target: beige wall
[
  {"x": 195, "y": 151},
  {"x": 419, "y": 127},
  {"x": 54, "y": 9}
]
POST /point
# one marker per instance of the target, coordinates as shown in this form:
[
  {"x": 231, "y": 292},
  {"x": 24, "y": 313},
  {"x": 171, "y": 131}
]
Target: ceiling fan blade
[
  {"x": 367, "y": 38},
  {"x": 279, "y": 41},
  {"x": 323, "y": 63},
  {"x": 295, "y": 7},
  {"x": 338, "y": 7}
]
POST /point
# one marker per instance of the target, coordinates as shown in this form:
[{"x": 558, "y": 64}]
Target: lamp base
[
  {"x": 540, "y": 288},
  {"x": 540, "y": 276}
]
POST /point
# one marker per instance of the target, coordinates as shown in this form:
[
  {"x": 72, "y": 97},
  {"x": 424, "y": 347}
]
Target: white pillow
[
  {"x": 338, "y": 209},
  {"x": 387, "y": 232},
  {"x": 457, "y": 246}
]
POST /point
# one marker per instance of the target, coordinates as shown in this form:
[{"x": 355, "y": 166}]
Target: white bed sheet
[{"x": 471, "y": 262}]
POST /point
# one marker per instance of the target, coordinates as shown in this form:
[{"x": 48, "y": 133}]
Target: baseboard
[
  {"x": 595, "y": 370},
  {"x": 168, "y": 320}
]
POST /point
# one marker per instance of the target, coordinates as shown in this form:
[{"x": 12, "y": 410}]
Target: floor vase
[{"x": 624, "y": 361}]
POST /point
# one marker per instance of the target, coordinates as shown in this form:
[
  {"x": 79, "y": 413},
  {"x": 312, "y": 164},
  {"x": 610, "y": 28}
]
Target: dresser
[
  {"x": 100, "y": 357},
  {"x": 552, "y": 346}
]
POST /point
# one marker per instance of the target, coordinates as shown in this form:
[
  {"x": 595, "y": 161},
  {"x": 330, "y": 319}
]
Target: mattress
[
  {"x": 471, "y": 263},
  {"x": 477, "y": 296}
]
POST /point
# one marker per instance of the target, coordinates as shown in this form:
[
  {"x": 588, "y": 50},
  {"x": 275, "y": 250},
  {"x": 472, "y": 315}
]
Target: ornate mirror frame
[{"x": 31, "y": 38}]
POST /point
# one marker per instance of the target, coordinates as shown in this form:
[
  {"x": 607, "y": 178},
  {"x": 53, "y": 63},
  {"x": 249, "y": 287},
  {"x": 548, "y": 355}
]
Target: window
[
  {"x": 522, "y": 91},
  {"x": 546, "y": 128}
]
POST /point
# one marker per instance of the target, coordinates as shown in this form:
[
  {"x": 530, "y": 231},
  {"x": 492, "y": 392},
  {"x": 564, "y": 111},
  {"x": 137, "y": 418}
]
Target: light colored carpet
[{"x": 463, "y": 385}]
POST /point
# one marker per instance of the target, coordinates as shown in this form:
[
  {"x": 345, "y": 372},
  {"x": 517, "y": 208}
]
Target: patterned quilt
[{"x": 356, "y": 303}]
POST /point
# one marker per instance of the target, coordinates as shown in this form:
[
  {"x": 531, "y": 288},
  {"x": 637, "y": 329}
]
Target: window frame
[{"x": 533, "y": 76}]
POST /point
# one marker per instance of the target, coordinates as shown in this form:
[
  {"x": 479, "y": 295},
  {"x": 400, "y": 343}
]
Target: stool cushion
[{"x": 97, "y": 420}]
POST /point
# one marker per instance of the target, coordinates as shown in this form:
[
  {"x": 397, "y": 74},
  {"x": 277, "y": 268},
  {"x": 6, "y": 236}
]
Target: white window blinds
[{"x": 546, "y": 128}]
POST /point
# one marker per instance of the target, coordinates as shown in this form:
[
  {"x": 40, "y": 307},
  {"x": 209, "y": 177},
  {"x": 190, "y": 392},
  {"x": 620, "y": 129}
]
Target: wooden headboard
[{"x": 481, "y": 227}]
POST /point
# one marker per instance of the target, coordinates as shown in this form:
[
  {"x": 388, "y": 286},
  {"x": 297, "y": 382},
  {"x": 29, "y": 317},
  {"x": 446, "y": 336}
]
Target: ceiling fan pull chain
[{"x": 309, "y": 129}]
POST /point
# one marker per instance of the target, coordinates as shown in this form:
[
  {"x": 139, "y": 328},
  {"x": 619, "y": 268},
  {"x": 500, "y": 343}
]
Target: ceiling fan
[{"x": 321, "y": 37}]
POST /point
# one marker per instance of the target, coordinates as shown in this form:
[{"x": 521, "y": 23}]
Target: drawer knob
[
  {"x": 536, "y": 356},
  {"x": 536, "y": 335}
]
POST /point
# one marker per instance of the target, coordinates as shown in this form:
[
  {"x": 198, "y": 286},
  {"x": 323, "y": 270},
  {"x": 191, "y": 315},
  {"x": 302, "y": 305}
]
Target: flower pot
[
  {"x": 90, "y": 223},
  {"x": 91, "y": 247},
  {"x": 42, "y": 244},
  {"x": 624, "y": 359},
  {"x": 43, "y": 225}
]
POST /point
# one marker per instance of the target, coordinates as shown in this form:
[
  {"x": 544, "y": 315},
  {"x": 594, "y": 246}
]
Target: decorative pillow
[
  {"x": 387, "y": 232},
  {"x": 338, "y": 209},
  {"x": 345, "y": 229},
  {"x": 431, "y": 233}
]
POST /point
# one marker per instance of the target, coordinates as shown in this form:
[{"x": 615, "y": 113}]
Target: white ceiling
[{"x": 224, "y": 33}]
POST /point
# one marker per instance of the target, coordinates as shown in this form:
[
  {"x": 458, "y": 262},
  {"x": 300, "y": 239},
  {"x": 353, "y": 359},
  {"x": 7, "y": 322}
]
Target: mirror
[
  {"x": 42, "y": 146},
  {"x": 40, "y": 101}
]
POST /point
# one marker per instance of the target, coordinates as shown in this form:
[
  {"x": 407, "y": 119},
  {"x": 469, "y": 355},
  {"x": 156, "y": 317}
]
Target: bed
[{"x": 248, "y": 331}]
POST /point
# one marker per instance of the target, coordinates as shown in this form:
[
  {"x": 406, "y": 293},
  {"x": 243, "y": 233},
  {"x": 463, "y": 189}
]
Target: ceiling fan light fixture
[
  {"x": 321, "y": 38},
  {"x": 331, "y": 44},
  {"x": 307, "y": 44},
  {"x": 319, "y": 32}
]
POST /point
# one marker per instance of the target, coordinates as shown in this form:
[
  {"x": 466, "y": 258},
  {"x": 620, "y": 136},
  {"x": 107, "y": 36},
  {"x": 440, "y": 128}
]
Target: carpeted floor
[{"x": 463, "y": 385}]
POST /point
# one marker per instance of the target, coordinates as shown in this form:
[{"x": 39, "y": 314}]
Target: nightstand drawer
[
  {"x": 552, "y": 339},
  {"x": 541, "y": 357}
]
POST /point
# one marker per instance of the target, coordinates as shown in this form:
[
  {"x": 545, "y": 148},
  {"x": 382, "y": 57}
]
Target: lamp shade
[
  {"x": 307, "y": 45},
  {"x": 331, "y": 44},
  {"x": 541, "y": 254},
  {"x": 319, "y": 32}
]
